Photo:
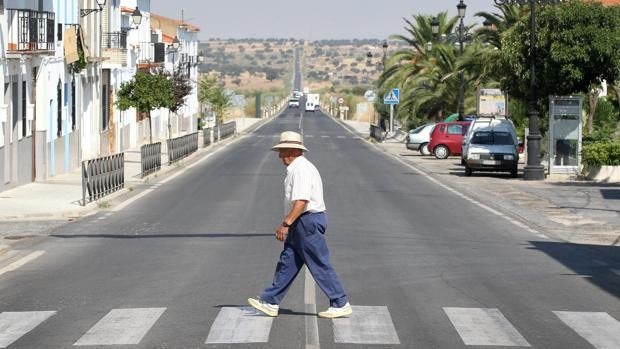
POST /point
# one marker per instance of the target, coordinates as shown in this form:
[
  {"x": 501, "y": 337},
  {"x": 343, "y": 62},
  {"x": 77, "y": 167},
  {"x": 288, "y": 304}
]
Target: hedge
[{"x": 601, "y": 154}]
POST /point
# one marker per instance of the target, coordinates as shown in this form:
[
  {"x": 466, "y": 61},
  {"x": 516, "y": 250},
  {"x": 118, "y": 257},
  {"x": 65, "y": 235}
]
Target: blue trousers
[{"x": 305, "y": 244}]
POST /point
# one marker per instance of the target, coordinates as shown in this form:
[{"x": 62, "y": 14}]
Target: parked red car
[{"x": 447, "y": 137}]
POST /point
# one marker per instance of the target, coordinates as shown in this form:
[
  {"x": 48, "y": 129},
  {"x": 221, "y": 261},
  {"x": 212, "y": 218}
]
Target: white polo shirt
[{"x": 303, "y": 182}]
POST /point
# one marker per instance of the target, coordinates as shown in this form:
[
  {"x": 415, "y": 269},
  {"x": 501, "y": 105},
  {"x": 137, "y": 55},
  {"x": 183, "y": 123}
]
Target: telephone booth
[{"x": 565, "y": 134}]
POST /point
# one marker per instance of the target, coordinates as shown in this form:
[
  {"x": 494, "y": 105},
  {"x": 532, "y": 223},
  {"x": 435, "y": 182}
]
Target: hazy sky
[{"x": 308, "y": 19}]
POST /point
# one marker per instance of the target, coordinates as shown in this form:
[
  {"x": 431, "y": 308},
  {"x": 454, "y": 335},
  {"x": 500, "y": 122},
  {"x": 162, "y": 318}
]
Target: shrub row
[{"x": 601, "y": 154}]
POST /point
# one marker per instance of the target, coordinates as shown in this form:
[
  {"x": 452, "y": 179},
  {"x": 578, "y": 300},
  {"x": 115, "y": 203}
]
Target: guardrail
[
  {"x": 206, "y": 137},
  {"x": 226, "y": 130},
  {"x": 150, "y": 158},
  {"x": 377, "y": 133},
  {"x": 181, "y": 147},
  {"x": 102, "y": 176}
]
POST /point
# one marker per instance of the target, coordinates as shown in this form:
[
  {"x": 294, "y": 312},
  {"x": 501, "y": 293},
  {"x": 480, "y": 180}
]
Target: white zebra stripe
[
  {"x": 367, "y": 325},
  {"x": 239, "y": 325},
  {"x": 599, "y": 329},
  {"x": 122, "y": 326},
  {"x": 21, "y": 262},
  {"x": 480, "y": 326},
  {"x": 13, "y": 325}
]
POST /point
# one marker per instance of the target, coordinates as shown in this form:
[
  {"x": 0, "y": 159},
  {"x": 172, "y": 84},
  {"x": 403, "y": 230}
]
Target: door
[{"x": 454, "y": 136}]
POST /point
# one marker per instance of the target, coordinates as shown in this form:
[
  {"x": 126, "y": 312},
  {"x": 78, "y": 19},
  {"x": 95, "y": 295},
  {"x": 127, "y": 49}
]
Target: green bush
[{"x": 601, "y": 154}]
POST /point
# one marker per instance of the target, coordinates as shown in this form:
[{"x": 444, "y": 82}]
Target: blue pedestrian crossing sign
[{"x": 392, "y": 97}]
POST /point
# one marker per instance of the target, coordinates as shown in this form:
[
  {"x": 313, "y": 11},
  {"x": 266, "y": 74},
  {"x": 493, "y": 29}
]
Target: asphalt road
[{"x": 423, "y": 267}]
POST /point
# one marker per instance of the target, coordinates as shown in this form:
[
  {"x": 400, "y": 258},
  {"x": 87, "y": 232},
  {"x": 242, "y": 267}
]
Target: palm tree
[{"x": 420, "y": 73}]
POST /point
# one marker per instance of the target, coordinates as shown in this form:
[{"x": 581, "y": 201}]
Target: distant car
[
  {"x": 446, "y": 138},
  {"x": 418, "y": 138},
  {"x": 293, "y": 102},
  {"x": 493, "y": 149}
]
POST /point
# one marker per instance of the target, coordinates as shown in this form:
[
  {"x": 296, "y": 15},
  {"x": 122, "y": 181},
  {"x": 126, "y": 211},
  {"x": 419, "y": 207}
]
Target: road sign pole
[{"x": 391, "y": 118}]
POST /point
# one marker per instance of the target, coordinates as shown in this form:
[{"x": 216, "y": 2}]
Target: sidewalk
[
  {"x": 582, "y": 212},
  {"x": 59, "y": 198}
]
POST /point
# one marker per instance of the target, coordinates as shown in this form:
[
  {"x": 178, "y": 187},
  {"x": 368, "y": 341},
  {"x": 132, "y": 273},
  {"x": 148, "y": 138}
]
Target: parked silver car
[
  {"x": 492, "y": 149},
  {"x": 418, "y": 138}
]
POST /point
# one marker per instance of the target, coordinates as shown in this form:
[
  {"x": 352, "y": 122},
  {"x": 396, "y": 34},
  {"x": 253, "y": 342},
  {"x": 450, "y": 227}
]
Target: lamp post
[
  {"x": 385, "y": 48},
  {"x": 461, "y": 7},
  {"x": 534, "y": 170},
  {"x": 136, "y": 17}
]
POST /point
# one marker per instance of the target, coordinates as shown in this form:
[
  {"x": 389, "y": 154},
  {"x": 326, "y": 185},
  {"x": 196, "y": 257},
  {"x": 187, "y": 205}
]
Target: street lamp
[
  {"x": 534, "y": 170},
  {"x": 85, "y": 12},
  {"x": 461, "y": 11},
  {"x": 385, "y": 48},
  {"x": 136, "y": 17}
]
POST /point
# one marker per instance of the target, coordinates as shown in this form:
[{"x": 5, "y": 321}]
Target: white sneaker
[
  {"x": 337, "y": 312},
  {"x": 264, "y": 307}
]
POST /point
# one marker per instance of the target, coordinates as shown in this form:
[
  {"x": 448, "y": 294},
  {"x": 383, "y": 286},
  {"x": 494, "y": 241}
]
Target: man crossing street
[{"x": 303, "y": 232}]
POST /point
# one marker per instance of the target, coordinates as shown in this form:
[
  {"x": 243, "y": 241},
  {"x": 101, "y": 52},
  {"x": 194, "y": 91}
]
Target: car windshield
[
  {"x": 489, "y": 137},
  {"x": 294, "y": 100}
]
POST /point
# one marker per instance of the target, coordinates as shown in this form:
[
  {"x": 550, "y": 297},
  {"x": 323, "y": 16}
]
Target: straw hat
[{"x": 289, "y": 140}]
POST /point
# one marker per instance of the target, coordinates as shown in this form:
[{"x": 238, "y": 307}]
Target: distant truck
[{"x": 312, "y": 101}]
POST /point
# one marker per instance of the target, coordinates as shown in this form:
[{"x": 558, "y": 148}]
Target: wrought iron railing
[
  {"x": 114, "y": 40},
  {"x": 150, "y": 157},
  {"x": 30, "y": 30},
  {"x": 102, "y": 176},
  {"x": 181, "y": 147},
  {"x": 226, "y": 130}
]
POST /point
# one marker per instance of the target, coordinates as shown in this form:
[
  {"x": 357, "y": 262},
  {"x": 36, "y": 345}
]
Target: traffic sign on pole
[{"x": 392, "y": 97}]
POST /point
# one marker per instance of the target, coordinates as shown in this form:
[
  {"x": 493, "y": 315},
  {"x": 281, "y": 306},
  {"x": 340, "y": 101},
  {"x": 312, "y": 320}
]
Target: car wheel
[
  {"x": 424, "y": 149},
  {"x": 514, "y": 172},
  {"x": 468, "y": 170},
  {"x": 442, "y": 152},
  {"x": 463, "y": 163}
]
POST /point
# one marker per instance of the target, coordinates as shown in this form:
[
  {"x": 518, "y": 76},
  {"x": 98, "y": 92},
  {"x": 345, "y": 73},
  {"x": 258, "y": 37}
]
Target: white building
[{"x": 28, "y": 45}]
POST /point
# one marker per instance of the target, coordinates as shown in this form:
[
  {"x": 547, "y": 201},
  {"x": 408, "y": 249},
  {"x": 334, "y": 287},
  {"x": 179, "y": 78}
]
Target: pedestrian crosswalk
[{"x": 368, "y": 325}]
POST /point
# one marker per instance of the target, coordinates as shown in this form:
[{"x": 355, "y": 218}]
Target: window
[
  {"x": 59, "y": 108},
  {"x": 455, "y": 129},
  {"x": 24, "y": 110}
]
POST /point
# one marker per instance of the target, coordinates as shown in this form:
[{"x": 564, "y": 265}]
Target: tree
[
  {"x": 577, "y": 48},
  {"x": 146, "y": 91},
  {"x": 181, "y": 88},
  {"x": 210, "y": 90}
]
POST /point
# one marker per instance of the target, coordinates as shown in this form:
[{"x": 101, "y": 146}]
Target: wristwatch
[{"x": 285, "y": 225}]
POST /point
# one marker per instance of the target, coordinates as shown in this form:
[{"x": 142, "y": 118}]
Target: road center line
[{"x": 312, "y": 326}]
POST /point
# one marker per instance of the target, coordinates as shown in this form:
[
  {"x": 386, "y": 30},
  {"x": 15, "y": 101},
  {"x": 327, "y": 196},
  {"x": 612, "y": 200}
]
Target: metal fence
[
  {"x": 102, "y": 176},
  {"x": 376, "y": 133},
  {"x": 227, "y": 129},
  {"x": 206, "y": 137},
  {"x": 180, "y": 147},
  {"x": 150, "y": 158}
]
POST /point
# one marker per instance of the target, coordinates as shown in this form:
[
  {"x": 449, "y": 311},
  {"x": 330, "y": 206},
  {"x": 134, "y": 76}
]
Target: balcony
[
  {"x": 114, "y": 47},
  {"x": 151, "y": 54},
  {"x": 30, "y": 31}
]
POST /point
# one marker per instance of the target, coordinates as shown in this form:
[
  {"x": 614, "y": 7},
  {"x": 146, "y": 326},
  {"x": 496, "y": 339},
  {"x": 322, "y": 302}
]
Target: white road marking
[
  {"x": 13, "y": 325},
  {"x": 309, "y": 136},
  {"x": 599, "y": 329},
  {"x": 480, "y": 326},
  {"x": 122, "y": 327},
  {"x": 312, "y": 326},
  {"x": 341, "y": 137},
  {"x": 324, "y": 136},
  {"x": 616, "y": 271},
  {"x": 367, "y": 325},
  {"x": 600, "y": 263},
  {"x": 240, "y": 325},
  {"x": 22, "y": 261}
]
